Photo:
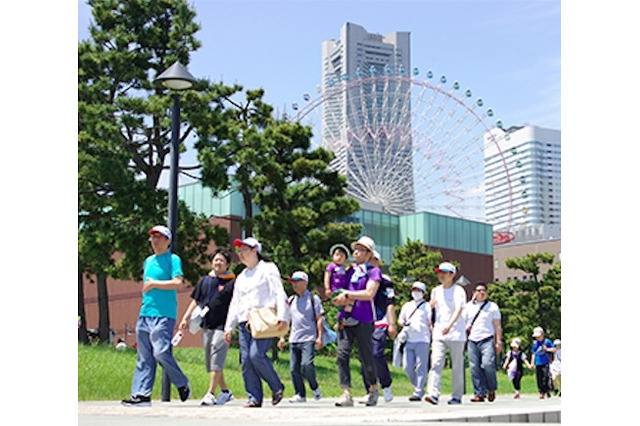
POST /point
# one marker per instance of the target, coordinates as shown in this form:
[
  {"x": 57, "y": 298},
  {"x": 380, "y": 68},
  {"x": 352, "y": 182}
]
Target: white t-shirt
[
  {"x": 483, "y": 326},
  {"x": 418, "y": 325},
  {"x": 447, "y": 301}
]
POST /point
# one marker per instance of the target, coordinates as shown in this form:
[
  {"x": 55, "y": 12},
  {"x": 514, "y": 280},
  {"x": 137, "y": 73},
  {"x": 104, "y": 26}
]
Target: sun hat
[
  {"x": 299, "y": 276},
  {"x": 365, "y": 242},
  {"x": 341, "y": 247},
  {"x": 162, "y": 230},
  {"x": 446, "y": 267},
  {"x": 249, "y": 241},
  {"x": 376, "y": 255}
]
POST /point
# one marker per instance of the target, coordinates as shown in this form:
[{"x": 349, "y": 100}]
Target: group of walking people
[{"x": 223, "y": 301}]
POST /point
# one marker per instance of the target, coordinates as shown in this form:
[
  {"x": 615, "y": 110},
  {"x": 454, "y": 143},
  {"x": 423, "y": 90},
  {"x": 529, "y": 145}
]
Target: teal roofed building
[{"x": 470, "y": 243}]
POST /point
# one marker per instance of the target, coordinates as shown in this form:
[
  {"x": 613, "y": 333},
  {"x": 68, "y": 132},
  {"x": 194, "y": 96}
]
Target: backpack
[{"x": 383, "y": 298}]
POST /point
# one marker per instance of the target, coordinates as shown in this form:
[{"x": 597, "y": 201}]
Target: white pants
[{"x": 456, "y": 351}]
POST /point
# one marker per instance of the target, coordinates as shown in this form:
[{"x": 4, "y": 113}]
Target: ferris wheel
[{"x": 409, "y": 144}]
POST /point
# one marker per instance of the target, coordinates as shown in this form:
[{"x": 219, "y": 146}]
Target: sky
[{"x": 506, "y": 52}]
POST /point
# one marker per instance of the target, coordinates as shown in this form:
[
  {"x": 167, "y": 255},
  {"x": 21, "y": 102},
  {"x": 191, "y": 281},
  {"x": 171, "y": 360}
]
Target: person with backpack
[
  {"x": 541, "y": 359},
  {"x": 362, "y": 288},
  {"x": 305, "y": 337},
  {"x": 213, "y": 295},
  {"x": 384, "y": 327}
]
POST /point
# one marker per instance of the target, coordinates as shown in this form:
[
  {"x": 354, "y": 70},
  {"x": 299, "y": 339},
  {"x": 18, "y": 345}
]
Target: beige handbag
[{"x": 263, "y": 323}]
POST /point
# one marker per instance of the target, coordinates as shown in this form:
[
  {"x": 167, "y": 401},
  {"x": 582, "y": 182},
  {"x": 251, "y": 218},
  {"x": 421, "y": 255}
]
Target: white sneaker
[
  {"x": 345, "y": 400},
  {"x": 298, "y": 398},
  {"x": 317, "y": 394},
  {"x": 209, "y": 399},
  {"x": 224, "y": 397},
  {"x": 388, "y": 395}
]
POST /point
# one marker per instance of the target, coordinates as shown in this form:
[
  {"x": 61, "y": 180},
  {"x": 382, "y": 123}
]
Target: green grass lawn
[{"x": 105, "y": 373}]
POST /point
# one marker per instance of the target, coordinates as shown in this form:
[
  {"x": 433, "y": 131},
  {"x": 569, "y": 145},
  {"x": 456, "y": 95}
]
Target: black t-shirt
[{"x": 219, "y": 291}]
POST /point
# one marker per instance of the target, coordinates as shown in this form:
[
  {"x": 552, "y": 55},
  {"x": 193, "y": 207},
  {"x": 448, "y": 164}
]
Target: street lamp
[{"x": 176, "y": 78}]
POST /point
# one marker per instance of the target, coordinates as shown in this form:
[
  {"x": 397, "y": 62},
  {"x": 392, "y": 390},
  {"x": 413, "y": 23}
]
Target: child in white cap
[{"x": 513, "y": 364}]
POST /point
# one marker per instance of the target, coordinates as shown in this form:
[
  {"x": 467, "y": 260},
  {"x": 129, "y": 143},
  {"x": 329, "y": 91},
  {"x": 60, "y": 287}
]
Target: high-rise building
[
  {"x": 528, "y": 165},
  {"x": 366, "y": 115}
]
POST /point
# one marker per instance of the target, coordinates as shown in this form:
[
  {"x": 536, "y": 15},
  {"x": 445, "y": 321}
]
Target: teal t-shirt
[{"x": 156, "y": 302}]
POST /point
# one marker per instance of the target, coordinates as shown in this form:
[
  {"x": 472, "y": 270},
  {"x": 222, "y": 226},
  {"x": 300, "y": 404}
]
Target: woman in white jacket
[{"x": 257, "y": 286}]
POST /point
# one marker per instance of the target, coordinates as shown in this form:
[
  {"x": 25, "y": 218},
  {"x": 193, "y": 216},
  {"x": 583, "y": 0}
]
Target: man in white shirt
[
  {"x": 483, "y": 322},
  {"x": 448, "y": 299}
]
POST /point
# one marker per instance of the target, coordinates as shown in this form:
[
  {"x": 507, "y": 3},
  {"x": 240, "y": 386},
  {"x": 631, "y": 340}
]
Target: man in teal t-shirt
[{"x": 161, "y": 279}]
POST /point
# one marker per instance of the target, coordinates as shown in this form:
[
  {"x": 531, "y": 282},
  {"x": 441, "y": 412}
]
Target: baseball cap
[
  {"x": 376, "y": 255},
  {"x": 420, "y": 286},
  {"x": 249, "y": 241},
  {"x": 557, "y": 342},
  {"x": 516, "y": 342},
  {"x": 162, "y": 230},
  {"x": 341, "y": 247},
  {"x": 365, "y": 242},
  {"x": 538, "y": 331},
  {"x": 299, "y": 276},
  {"x": 446, "y": 267}
]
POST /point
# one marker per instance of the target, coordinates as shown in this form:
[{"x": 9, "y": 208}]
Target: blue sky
[{"x": 507, "y": 52}]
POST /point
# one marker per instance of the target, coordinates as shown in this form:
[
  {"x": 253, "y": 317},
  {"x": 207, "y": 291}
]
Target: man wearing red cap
[
  {"x": 449, "y": 333},
  {"x": 161, "y": 278}
]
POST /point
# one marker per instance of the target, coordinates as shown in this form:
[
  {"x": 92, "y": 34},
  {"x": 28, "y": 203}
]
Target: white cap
[
  {"x": 419, "y": 285},
  {"x": 446, "y": 267},
  {"x": 299, "y": 276},
  {"x": 162, "y": 230},
  {"x": 538, "y": 331},
  {"x": 249, "y": 241}
]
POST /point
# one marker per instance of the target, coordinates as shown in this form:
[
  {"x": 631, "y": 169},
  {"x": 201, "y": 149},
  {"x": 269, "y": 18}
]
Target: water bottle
[{"x": 176, "y": 339}]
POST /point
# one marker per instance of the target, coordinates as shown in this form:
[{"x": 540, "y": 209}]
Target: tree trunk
[
  {"x": 103, "y": 308},
  {"x": 82, "y": 323}
]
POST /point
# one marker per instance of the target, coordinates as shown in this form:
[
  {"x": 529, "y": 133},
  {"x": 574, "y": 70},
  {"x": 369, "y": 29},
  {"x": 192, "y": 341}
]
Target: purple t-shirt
[
  {"x": 357, "y": 280},
  {"x": 338, "y": 276}
]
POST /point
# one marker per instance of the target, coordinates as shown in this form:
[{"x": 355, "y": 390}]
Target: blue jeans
[
  {"x": 378, "y": 345},
  {"x": 482, "y": 364},
  {"x": 301, "y": 366},
  {"x": 256, "y": 365},
  {"x": 153, "y": 335}
]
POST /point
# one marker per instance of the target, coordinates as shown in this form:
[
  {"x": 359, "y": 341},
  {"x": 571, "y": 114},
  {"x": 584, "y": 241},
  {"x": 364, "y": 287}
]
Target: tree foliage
[
  {"x": 124, "y": 136},
  {"x": 530, "y": 303}
]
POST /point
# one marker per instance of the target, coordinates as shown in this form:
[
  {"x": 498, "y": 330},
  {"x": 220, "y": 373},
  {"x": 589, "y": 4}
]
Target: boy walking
[{"x": 304, "y": 338}]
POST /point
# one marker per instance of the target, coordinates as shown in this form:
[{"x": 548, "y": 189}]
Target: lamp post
[{"x": 176, "y": 78}]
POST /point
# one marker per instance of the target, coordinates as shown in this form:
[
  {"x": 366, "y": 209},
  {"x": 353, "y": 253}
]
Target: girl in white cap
[{"x": 513, "y": 364}]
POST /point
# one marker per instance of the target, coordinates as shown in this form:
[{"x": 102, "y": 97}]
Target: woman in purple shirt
[{"x": 361, "y": 289}]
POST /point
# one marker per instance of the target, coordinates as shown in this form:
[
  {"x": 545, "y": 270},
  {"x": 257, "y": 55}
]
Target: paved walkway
[{"x": 528, "y": 409}]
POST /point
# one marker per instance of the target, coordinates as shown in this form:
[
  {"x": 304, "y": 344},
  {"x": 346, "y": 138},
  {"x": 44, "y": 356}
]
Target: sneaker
[
  {"x": 185, "y": 392},
  {"x": 414, "y": 398},
  {"x": 453, "y": 401},
  {"x": 298, "y": 398},
  {"x": 137, "y": 401},
  {"x": 431, "y": 399},
  {"x": 277, "y": 396},
  {"x": 517, "y": 395},
  {"x": 224, "y": 397},
  {"x": 372, "y": 398},
  {"x": 317, "y": 394},
  {"x": 542, "y": 395},
  {"x": 209, "y": 399},
  {"x": 345, "y": 400},
  {"x": 388, "y": 395}
]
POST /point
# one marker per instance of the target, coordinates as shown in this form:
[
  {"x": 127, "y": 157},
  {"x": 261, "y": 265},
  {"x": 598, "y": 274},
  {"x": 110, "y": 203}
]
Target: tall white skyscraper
[
  {"x": 528, "y": 164},
  {"x": 361, "y": 121}
]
